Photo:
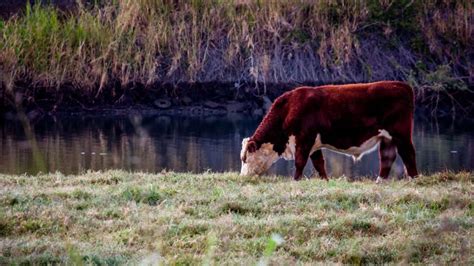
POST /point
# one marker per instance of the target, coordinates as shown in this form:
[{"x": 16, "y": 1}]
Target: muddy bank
[{"x": 198, "y": 99}]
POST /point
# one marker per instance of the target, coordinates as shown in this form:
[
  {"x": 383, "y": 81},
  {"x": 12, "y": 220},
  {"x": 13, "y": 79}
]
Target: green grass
[
  {"x": 118, "y": 217},
  {"x": 141, "y": 41}
]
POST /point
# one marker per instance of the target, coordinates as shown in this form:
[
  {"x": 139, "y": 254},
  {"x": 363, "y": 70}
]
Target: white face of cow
[{"x": 259, "y": 161}]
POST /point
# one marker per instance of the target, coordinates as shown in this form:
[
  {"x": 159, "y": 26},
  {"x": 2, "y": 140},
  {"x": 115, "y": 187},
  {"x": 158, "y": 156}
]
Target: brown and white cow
[{"x": 352, "y": 119}]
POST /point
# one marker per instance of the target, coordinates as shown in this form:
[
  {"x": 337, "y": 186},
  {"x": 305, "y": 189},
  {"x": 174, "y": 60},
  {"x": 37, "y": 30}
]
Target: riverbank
[
  {"x": 116, "y": 217},
  {"x": 128, "y": 53},
  {"x": 206, "y": 99}
]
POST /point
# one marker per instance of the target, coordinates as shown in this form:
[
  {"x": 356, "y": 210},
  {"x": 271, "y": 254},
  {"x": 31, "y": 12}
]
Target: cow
[{"x": 352, "y": 119}]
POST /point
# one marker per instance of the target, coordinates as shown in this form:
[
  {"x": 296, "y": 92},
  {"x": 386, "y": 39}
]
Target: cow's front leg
[
  {"x": 301, "y": 157},
  {"x": 318, "y": 163}
]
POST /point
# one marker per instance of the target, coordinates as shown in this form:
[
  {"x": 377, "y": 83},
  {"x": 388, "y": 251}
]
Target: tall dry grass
[{"x": 149, "y": 42}]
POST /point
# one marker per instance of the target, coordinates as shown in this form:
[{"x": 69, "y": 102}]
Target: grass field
[{"x": 117, "y": 217}]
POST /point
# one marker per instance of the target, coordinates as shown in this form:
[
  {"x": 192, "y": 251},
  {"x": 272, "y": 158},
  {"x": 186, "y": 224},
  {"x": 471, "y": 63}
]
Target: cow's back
[
  {"x": 383, "y": 94},
  {"x": 357, "y": 110}
]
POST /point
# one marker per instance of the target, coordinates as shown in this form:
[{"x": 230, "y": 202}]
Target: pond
[{"x": 77, "y": 143}]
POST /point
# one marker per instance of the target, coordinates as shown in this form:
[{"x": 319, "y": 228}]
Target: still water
[{"x": 74, "y": 144}]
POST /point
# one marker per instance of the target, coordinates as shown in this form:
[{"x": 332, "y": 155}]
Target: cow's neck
[{"x": 271, "y": 131}]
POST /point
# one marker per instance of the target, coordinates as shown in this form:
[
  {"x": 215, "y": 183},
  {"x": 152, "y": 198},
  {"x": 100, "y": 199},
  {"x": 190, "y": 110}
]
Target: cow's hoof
[
  {"x": 379, "y": 180},
  {"x": 412, "y": 178}
]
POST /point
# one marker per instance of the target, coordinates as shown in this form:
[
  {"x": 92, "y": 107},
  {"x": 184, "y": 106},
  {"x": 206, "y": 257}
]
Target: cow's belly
[{"x": 355, "y": 151}]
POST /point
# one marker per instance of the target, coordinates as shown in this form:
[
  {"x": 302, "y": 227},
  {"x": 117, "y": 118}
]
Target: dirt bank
[{"x": 201, "y": 99}]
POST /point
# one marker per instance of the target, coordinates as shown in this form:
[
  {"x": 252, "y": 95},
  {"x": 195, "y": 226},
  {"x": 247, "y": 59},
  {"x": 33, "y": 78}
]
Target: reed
[{"x": 120, "y": 42}]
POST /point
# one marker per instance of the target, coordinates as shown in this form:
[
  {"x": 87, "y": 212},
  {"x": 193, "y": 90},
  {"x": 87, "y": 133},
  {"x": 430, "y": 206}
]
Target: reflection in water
[{"x": 152, "y": 143}]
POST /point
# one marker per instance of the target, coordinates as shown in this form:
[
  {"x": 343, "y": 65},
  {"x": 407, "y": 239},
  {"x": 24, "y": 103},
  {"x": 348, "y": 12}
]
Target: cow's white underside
[
  {"x": 259, "y": 161},
  {"x": 355, "y": 151}
]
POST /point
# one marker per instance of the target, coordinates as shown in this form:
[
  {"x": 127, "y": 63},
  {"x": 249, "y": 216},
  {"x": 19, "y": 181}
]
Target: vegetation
[
  {"x": 115, "y": 44},
  {"x": 116, "y": 217}
]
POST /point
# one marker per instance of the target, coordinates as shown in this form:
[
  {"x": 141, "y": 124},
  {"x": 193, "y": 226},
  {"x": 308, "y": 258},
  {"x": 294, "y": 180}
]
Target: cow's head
[{"x": 256, "y": 161}]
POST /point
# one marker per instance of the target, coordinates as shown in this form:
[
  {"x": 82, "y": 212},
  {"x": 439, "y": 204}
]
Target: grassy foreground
[{"x": 116, "y": 217}]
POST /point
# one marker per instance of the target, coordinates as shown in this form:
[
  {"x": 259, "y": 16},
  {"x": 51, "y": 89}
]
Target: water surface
[{"x": 77, "y": 143}]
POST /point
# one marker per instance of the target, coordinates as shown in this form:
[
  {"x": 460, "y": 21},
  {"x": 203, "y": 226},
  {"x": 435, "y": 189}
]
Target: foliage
[{"x": 127, "y": 41}]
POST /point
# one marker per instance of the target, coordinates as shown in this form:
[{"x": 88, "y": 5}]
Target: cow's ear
[{"x": 251, "y": 146}]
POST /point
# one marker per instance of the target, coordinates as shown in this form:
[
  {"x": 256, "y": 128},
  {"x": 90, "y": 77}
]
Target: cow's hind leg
[
  {"x": 318, "y": 163},
  {"x": 406, "y": 149},
  {"x": 301, "y": 157},
  {"x": 388, "y": 154}
]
